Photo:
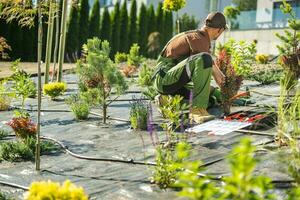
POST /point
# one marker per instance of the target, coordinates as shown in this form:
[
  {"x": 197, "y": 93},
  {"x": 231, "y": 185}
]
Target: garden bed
[{"x": 111, "y": 180}]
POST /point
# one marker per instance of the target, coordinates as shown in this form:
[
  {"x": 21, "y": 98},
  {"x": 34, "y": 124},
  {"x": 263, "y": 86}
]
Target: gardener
[{"x": 186, "y": 59}]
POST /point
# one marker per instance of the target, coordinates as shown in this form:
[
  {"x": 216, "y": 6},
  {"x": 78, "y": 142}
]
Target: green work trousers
[{"x": 180, "y": 79}]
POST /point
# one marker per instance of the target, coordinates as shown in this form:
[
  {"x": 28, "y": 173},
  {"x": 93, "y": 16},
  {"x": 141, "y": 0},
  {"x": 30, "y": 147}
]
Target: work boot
[{"x": 200, "y": 115}]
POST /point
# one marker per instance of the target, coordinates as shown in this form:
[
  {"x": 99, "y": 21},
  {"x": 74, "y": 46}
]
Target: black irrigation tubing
[
  {"x": 65, "y": 148},
  {"x": 14, "y": 185}
]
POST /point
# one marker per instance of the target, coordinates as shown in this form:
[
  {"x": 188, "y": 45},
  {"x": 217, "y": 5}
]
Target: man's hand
[{"x": 218, "y": 75}]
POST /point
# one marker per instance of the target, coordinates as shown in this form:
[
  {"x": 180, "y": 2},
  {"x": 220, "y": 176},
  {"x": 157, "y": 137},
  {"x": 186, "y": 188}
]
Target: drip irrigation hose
[
  {"x": 65, "y": 148},
  {"x": 13, "y": 185}
]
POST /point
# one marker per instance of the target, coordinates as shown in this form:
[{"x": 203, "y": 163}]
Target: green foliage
[
  {"x": 72, "y": 41},
  {"x": 145, "y": 75},
  {"x": 84, "y": 11},
  {"x": 143, "y": 29},
  {"x": 138, "y": 114},
  {"x": 166, "y": 171},
  {"x": 98, "y": 73},
  {"x": 242, "y": 55},
  {"x": 79, "y": 106},
  {"x": 150, "y": 92},
  {"x": 265, "y": 74},
  {"x": 106, "y": 25},
  {"x": 192, "y": 186},
  {"x": 22, "y": 85},
  {"x": 242, "y": 184},
  {"x": 54, "y": 89},
  {"x": 151, "y": 25},
  {"x": 245, "y": 5},
  {"x": 294, "y": 194},
  {"x": 173, "y": 5},
  {"x": 290, "y": 47},
  {"x": 94, "y": 23},
  {"x": 168, "y": 33},
  {"x": 120, "y": 57},
  {"x": 3, "y": 133},
  {"x": 134, "y": 57},
  {"x": 288, "y": 114},
  {"x": 3, "y": 196},
  {"x": 15, "y": 151},
  {"x": 133, "y": 37},
  {"x": 5, "y": 96},
  {"x": 115, "y": 33},
  {"x": 124, "y": 28},
  {"x": 160, "y": 23},
  {"x": 232, "y": 12},
  {"x": 23, "y": 150},
  {"x": 188, "y": 22}
]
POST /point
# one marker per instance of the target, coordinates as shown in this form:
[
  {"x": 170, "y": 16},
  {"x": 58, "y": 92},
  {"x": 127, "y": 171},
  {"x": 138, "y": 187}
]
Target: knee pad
[{"x": 207, "y": 60}]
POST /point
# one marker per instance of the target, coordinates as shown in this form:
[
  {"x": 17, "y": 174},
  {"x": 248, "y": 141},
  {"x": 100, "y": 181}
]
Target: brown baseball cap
[{"x": 216, "y": 20}]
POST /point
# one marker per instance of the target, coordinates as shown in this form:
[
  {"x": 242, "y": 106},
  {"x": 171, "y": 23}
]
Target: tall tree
[
  {"x": 160, "y": 21},
  {"x": 133, "y": 24},
  {"x": 115, "y": 36},
  {"x": 15, "y": 40},
  {"x": 83, "y": 21},
  {"x": 72, "y": 42},
  {"x": 124, "y": 28},
  {"x": 245, "y": 5},
  {"x": 142, "y": 32},
  {"x": 106, "y": 25},
  {"x": 168, "y": 33},
  {"x": 94, "y": 25},
  {"x": 151, "y": 20}
]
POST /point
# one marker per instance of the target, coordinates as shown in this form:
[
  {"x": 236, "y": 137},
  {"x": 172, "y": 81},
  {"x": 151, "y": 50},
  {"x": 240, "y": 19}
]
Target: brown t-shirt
[{"x": 190, "y": 43}]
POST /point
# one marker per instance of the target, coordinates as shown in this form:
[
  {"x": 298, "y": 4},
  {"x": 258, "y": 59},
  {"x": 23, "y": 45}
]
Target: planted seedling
[
  {"x": 79, "y": 106},
  {"x": 172, "y": 110},
  {"x": 22, "y": 85},
  {"x": 138, "y": 114},
  {"x": 120, "y": 57},
  {"x": 134, "y": 58},
  {"x": 232, "y": 81},
  {"x": 98, "y": 74},
  {"x": 145, "y": 75}
]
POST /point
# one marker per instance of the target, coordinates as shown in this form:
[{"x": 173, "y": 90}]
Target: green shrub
[
  {"x": 120, "y": 57},
  {"x": 242, "y": 55},
  {"x": 79, "y": 106},
  {"x": 138, "y": 115},
  {"x": 54, "y": 89},
  {"x": 134, "y": 57},
  {"x": 16, "y": 151},
  {"x": 150, "y": 92},
  {"x": 265, "y": 74}
]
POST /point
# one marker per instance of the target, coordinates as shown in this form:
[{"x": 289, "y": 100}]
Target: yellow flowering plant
[
  {"x": 52, "y": 190},
  {"x": 173, "y": 5},
  {"x": 54, "y": 89}
]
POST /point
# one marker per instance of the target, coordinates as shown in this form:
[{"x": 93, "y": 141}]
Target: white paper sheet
[{"x": 218, "y": 127}]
